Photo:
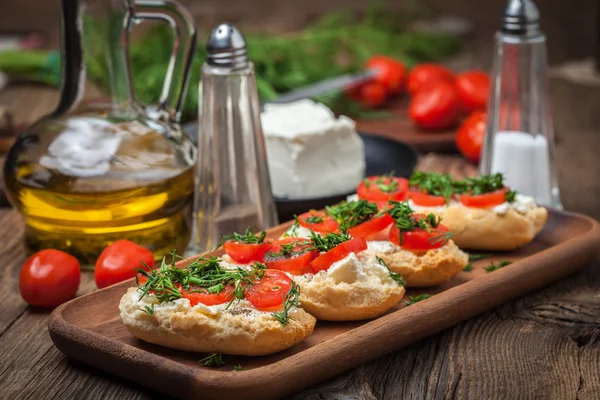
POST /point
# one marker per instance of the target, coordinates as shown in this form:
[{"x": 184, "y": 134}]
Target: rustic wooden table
[{"x": 543, "y": 346}]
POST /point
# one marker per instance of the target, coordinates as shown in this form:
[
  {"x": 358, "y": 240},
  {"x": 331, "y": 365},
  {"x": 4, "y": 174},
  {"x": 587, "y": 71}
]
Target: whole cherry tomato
[
  {"x": 470, "y": 135},
  {"x": 370, "y": 94},
  {"x": 435, "y": 106},
  {"x": 473, "y": 89},
  {"x": 424, "y": 74},
  {"x": 391, "y": 73},
  {"x": 49, "y": 278},
  {"x": 118, "y": 262}
]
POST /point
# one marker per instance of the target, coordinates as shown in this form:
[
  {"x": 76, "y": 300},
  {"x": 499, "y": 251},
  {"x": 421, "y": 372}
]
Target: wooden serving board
[
  {"x": 89, "y": 328},
  {"x": 400, "y": 127}
]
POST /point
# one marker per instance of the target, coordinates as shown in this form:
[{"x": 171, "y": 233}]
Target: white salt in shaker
[{"x": 519, "y": 140}]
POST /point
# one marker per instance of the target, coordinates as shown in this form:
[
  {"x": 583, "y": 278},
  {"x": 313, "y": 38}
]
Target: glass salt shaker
[
  {"x": 519, "y": 140},
  {"x": 233, "y": 189}
]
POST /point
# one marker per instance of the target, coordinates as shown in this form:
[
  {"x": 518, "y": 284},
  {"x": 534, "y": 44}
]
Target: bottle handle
[{"x": 178, "y": 17}]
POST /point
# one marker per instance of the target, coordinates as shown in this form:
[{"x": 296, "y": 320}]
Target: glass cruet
[{"x": 104, "y": 168}]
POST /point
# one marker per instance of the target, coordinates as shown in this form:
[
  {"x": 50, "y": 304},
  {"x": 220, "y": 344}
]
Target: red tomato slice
[
  {"x": 419, "y": 238},
  {"x": 371, "y": 227},
  {"x": 295, "y": 263},
  {"x": 340, "y": 251},
  {"x": 484, "y": 200},
  {"x": 270, "y": 291},
  {"x": 426, "y": 200},
  {"x": 318, "y": 221},
  {"x": 382, "y": 189},
  {"x": 196, "y": 294},
  {"x": 245, "y": 253}
]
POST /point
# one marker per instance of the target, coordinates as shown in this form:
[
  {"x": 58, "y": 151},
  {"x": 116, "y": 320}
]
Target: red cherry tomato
[
  {"x": 340, "y": 251},
  {"x": 424, "y": 74},
  {"x": 382, "y": 188},
  {"x": 391, "y": 73},
  {"x": 270, "y": 291},
  {"x": 118, "y": 262},
  {"x": 473, "y": 89},
  {"x": 484, "y": 200},
  {"x": 296, "y": 262},
  {"x": 419, "y": 238},
  {"x": 370, "y": 228},
  {"x": 245, "y": 253},
  {"x": 470, "y": 135},
  {"x": 318, "y": 221},
  {"x": 369, "y": 94},
  {"x": 435, "y": 106},
  {"x": 49, "y": 278},
  {"x": 427, "y": 200},
  {"x": 197, "y": 294}
]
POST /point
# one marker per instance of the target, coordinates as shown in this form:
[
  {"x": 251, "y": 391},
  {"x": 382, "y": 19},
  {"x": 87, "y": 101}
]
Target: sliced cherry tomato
[
  {"x": 424, "y": 74},
  {"x": 419, "y": 238},
  {"x": 296, "y": 262},
  {"x": 245, "y": 253},
  {"x": 391, "y": 73},
  {"x": 369, "y": 94},
  {"x": 318, "y": 221},
  {"x": 426, "y": 200},
  {"x": 340, "y": 251},
  {"x": 368, "y": 229},
  {"x": 484, "y": 200},
  {"x": 118, "y": 262},
  {"x": 196, "y": 294},
  {"x": 473, "y": 89},
  {"x": 270, "y": 291},
  {"x": 49, "y": 278},
  {"x": 435, "y": 106},
  {"x": 382, "y": 189},
  {"x": 470, "y": 135}
]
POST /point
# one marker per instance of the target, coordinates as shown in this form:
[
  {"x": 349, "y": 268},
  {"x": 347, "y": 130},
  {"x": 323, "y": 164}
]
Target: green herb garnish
[
  {"x": 237, "y": 367},
  {"x": 434, "y": 183},
  {"x": 313, "y": 219},
  {"x": 291, "y": 300},
  {"x": 394, "y": 275},
  {"x": 148, "y": 309},
  {"x": 328, "y": 241},
  {"x": 477, "y": 257},
  {"x": 415, "y": 299},
  {"x": 212, "y": 360},
  {"x": 406, "y": 221},
  {"x": 248, "y": 237},
  {"x": 486, "y": 184},
  {"x": 493, "y": 267},
  {"x": 387, "y": 187},
  {"x": 468, "y": 267},
  {"x": 350, "y": 214}
]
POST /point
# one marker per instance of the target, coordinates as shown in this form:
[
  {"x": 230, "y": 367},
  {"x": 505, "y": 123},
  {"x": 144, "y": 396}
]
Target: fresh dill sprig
[
  {"x": 415, "y": 299},
  {"x": 494, "y": 267},
  {"x": 292, "y": 299},
  {"x": 486, "y": 184},
  {"x": 148, "y": 309},
  {"x": 386, "y": 183},
  {"x": 468, "y": 267},
  {"x": 212, "y": 360},
  {"x": 435, "y": 183},
  {"x": 476, "y": 257},
  {"x": 314, "y": 219},
  {"x": 293, "y": 230},
  {"x": 350, "y": 214},
  {"x": 248, "y": 237},
  {"x": 287, "y": 249},
  {"x": 328, "y": 241},
  {"x": 238, "y": 368},
  {"x": 442, "y": 238},
  {"x": 394, "y": 275}
]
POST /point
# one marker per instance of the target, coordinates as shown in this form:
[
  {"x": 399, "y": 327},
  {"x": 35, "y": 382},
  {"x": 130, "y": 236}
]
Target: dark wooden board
[
  {"x": 399, "y": 126},
  {"x": 89, "y": 329}
]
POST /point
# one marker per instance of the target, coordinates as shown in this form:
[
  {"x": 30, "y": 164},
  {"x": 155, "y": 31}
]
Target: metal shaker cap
[
  {"x": 226, "y": 47},
  {"x": 521, "y": 17}
]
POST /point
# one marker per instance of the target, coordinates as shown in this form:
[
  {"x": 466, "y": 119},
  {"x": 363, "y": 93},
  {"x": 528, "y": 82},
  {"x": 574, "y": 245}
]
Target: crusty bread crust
[
  {"x": 430, "y": 268},
  {"x": 227, "y": 332},
  {"x": 483, "y": 229},
  {"x": 330, "y": 301}
]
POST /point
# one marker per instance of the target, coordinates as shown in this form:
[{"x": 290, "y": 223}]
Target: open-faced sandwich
[
  {"x": 205, "y": 307},
  {"x": 338, "y": 280},
  {"x": 416, "y": 246},
  {"x": 482, "y": 212}
]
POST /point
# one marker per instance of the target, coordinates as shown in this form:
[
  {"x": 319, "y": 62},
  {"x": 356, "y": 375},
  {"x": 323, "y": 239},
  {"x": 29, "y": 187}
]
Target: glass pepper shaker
[
  {"x": 519, "y": 140},
  {"x": 233, "y": 189}
]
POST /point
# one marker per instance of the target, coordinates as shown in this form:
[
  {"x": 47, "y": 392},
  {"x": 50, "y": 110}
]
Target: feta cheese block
[{"x": 310, "y": 152}]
